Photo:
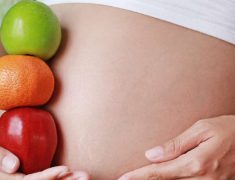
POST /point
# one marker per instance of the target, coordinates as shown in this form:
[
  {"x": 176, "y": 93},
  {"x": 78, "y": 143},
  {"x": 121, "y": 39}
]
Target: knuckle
[
  {"x": 198, "y": 167},
  {"x": 174, "y": 146},
  {"x": 215, "y": 165},
  {"x": 203, "y": 123},
  {"x": 205, "y": 126},
  {"x": 153, "y": 174}
]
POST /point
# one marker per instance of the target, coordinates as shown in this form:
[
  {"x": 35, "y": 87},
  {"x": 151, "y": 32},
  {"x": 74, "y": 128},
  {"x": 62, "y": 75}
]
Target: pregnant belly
[{"x": 127, "y": 82}]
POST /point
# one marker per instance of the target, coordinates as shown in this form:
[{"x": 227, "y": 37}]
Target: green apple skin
[{"x": 31, "y": 27}]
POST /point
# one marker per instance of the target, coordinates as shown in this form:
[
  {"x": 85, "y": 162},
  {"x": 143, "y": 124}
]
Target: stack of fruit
[{"x": 30, "y": 34}]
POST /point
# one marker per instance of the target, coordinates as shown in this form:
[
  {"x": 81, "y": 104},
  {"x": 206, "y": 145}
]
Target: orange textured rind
[{"x": 24, "y": 81}]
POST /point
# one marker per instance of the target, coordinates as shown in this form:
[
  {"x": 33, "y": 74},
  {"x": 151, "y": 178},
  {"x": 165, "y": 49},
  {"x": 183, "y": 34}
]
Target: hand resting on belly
[
  {"x": 132, "y": 83},
  {"x": 126, "y": 82}
]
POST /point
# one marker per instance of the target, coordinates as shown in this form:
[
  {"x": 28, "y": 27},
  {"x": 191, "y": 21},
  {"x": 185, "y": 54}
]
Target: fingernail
[
  {"x": 80, "y": 175},
  {"x": 8, "y": 163},
  {"x": 155, "y": 153}
]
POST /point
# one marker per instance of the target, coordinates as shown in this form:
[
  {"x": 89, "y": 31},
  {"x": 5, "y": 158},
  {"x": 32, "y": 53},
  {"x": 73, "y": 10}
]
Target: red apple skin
[{"x": 31, "y": 135}]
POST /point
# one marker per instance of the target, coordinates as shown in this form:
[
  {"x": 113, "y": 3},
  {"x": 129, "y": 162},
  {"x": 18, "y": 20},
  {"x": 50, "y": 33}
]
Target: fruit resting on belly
[
  {"x": 29, "y": 27},
  {"x": 31, "y": 135}
]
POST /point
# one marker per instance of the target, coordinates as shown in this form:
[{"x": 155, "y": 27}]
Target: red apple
[{"x": 30, "y": 134}]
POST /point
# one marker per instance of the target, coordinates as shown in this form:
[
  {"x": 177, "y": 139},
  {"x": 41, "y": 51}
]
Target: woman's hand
[
  {"x": 206, "y": 151},
  {"x": 10, "y": 164},
  {"x": 54, "y": 173}
]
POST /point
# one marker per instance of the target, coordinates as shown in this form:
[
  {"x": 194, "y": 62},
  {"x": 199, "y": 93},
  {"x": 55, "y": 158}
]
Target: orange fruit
[{"x": 24, "y": 81}]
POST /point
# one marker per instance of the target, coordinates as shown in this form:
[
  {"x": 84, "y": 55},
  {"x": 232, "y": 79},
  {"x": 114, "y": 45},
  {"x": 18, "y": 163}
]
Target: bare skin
[
  {"x": 126, "y": 82},
  {"x": 205, "y": 151}
]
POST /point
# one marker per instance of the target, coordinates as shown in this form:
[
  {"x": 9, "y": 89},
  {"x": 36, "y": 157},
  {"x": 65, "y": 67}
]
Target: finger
[
  {"x": 172, "y": 149},
  {"x": 16, "y": 176},
  {"x": 9, "y": 162},
  {"x": 58, "y": 172},
  {"x": 174, "y": 169},
  {"x": 192, "y": 164},
  {"x": 81, "y": 175},
  {"x": 51, "y": 173}
]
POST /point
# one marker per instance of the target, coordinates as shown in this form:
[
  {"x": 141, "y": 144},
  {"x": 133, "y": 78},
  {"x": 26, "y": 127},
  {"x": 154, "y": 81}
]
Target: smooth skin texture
[
  {"x": 205, "y": 151},
  {"x": 127, "y": 82}
]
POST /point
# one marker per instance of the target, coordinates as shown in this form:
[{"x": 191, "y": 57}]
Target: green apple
[
  {"x": 31, "y": 27},
  {"x": 4, "y": 6}
]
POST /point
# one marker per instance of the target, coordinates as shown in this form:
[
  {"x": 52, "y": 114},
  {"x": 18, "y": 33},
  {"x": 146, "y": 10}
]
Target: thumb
[
  {"x": 9, "y": 162},
  {"x": 175, "y": 147}
]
